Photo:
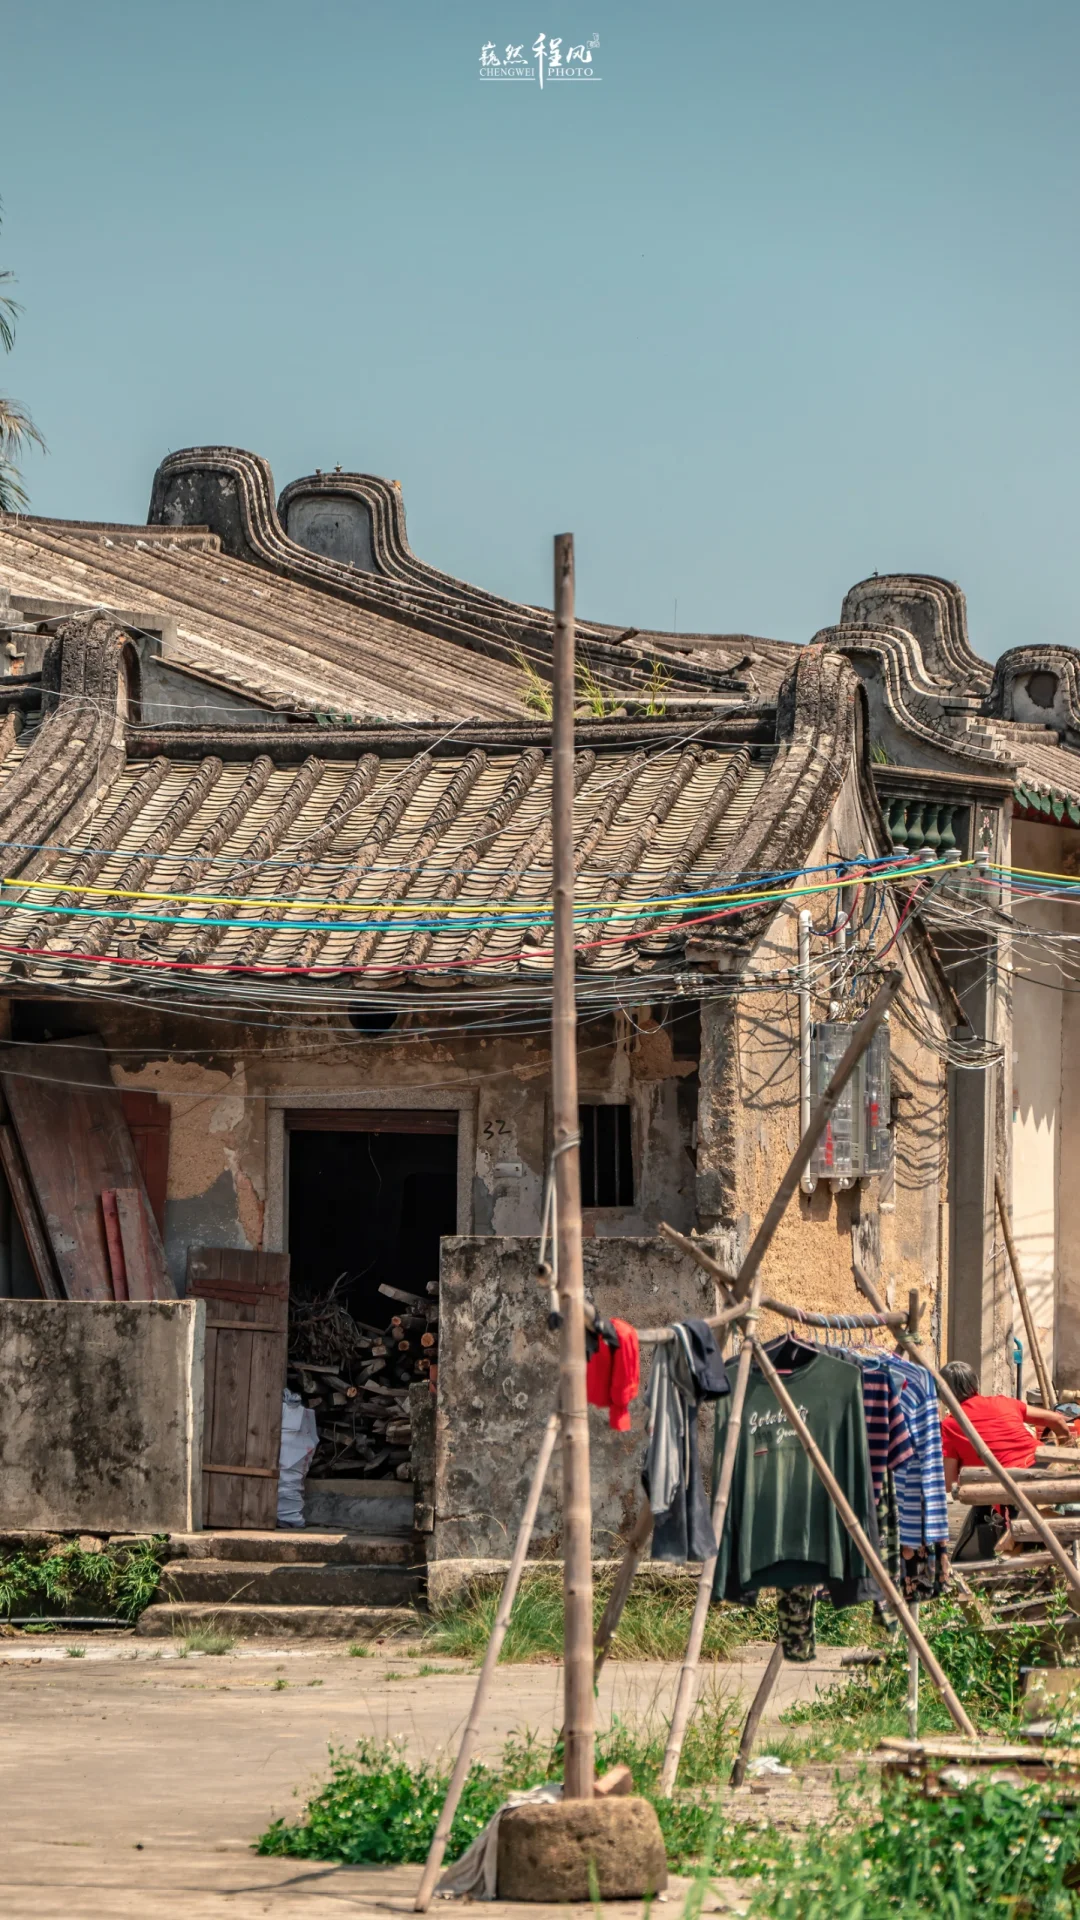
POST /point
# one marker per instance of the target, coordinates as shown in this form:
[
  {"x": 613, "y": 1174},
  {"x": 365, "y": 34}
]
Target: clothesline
[{"x": 836, "y": 1322}]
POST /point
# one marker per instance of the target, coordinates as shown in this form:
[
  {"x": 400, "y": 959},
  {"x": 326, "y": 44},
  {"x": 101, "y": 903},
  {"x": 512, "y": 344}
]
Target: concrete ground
[{"x": 133, "y": 1781}]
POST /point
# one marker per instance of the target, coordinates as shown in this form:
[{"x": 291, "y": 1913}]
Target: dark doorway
[{"x": 370, "y": 1196}]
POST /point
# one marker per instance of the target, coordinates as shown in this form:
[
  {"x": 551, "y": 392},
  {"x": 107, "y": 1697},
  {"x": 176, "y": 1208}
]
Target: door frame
[{"x": 464, "y": 1104}]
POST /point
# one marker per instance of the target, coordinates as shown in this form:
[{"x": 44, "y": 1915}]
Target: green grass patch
[
  {"x": 378, "y": 1805},
  {"x": 206, "y": 1640},
  {"x": 985, "y": 1672},
  {"x": 655, "y": 1624},
  {"x": 118, "y": 1581},
  {"x": 989, "y": 1849}
]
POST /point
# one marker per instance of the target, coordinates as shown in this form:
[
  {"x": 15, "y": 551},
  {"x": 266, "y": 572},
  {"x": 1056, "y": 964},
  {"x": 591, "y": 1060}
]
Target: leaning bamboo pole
[
  {"x": 858, "y": 1533},
  {"x": 1001, "y": 1474},
  {"x": 748, "y": 1282},
  {"x": 1046, "y": 1387},
  {"x": 491, "y": 1661}
]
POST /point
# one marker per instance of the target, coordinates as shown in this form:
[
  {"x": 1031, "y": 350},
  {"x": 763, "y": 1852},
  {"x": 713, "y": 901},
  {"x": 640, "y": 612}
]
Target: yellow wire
[{"x": 415, "y": 906}]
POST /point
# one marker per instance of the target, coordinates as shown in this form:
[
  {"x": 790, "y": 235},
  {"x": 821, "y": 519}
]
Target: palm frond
[
  {"x": 17, "y": 430},
  {"x": 13, "y": 495}
]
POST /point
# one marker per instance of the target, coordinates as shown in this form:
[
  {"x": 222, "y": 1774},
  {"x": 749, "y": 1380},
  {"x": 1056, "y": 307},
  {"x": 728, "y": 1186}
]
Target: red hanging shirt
[
  {"x": 997, "y": 1420},
  {"x": 613, "y": 1376}
]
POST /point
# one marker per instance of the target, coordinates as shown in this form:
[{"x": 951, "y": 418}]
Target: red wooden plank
[
  {"x": 115, "y": 1244},
  {"x": 76, "y": 1143},
  {"x": 149, "y": 1120},
  {"x": 144, "y": 1257}
]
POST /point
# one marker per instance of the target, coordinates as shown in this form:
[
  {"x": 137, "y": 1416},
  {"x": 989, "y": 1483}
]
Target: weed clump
[
  {"x": 207, "y": 1640},
  {"x": 993, "y": 1848},
  {"x": 118, "y": 1580},
  {"x": 655, "y": 1624}
]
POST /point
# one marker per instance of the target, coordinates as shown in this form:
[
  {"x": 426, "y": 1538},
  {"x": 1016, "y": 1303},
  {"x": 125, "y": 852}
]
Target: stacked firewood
[{"x": 356, "y": 1378}]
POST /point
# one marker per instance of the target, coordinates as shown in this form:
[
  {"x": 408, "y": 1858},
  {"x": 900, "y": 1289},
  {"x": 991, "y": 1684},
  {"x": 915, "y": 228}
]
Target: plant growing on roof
[{"x": 17, "y": 429}]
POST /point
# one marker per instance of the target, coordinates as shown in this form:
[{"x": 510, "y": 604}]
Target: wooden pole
[
  {"x": 869, "y": 1553},
  {"x": 748, "y": 1281},
  {"x": 913, "y": 1681},
  {"x": 577, "y": 1504},
  {"x": 491, "y": 1661},
  {"x": 757, "y": 1707},
  {"x": 624, "y": 1580},
  {"x": 1001, "y": 1474},
  {"x": 687, "y": 1688},
  {"x": 862, "y": 1034},
  {"x": 1046, "y": 1387}
]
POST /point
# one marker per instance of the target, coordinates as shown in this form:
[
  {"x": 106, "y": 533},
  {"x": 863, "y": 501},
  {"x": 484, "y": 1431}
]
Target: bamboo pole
[
  {"x": 1001, "y": 1474},
  {"x": 686, "y": 1692},
  {"x": 757, "y": 1707},
  {"x": 577, "y": 1504},
  {"x": 491, "y": 1661},
  {"x": 869, "y": 1553},
  {"x": 624, "y": 1579},
  {"x": 913, "y": 1681},
  {"x": 1046, "y": 1387},
  {"x": 748, "y": 1280}
]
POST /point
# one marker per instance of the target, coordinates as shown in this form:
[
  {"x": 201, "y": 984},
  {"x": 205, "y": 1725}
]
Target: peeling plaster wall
[
  {"x": 749, "y": 1123},
  {"x": 222, "y": 1151},
  {"x": 498, "y": 1377}
]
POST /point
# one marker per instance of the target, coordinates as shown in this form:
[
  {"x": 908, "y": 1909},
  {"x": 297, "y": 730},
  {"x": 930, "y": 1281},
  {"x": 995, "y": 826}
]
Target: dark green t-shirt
[{"x": 782, "y": 1529}]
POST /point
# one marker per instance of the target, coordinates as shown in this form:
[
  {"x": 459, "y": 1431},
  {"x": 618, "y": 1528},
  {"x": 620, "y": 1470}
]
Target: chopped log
[
  {"x": 1062, "y": 1464},
  {"x": 406, "y": 1299},
  {"x": 1066, "y": 1526},
  {"x": 1051, "y": 1492}
]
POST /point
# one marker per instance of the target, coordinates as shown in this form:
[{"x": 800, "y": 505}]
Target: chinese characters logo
[{"x": 550, "y": 58}]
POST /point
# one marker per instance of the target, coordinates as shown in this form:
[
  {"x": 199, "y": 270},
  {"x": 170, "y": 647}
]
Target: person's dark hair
[{"x": 963, "y": 1379}]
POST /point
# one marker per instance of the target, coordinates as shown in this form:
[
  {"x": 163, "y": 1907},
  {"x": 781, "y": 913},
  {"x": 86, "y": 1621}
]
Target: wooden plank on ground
[
  {"x": 70, "y": 1124},
  {"x": 144, "y": 1255},
  {"x": 22, "y": 1199},
  {"x": 114, "y": 1243},
  {"x": 247, "y": 1296}
]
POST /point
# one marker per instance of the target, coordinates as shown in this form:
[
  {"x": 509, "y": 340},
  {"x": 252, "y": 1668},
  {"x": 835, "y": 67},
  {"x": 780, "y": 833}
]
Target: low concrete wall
[
  {"x": 101, "y": 1415},
  {"x": 498, "y": 1373}
]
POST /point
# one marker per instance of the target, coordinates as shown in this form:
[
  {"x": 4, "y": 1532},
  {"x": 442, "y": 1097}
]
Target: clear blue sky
[{"x": 789, "y": 295}]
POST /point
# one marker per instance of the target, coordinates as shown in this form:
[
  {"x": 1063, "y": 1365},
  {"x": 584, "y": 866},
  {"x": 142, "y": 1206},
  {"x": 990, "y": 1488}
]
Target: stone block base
[{"x": 545, "y": 1851}]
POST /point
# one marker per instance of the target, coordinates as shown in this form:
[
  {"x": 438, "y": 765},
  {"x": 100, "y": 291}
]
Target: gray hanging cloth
[{"x": 685, "y": 1371}]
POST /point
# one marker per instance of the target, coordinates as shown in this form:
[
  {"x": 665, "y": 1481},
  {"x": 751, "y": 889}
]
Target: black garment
[
  {"x": 685, "y": 1371},
  {"x": 706, "y": 1361},
  {"x": 782, "y": 1529},
  {"x": 925, "y": 1571},
  {"x": 980, "y": 1533}
]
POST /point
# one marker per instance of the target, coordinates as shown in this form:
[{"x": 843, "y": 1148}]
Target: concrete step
[
  {"x": 291, "y": 1584},
  {"x": 167, "y": 1620},
  {"x": 296, "y": 1547}
]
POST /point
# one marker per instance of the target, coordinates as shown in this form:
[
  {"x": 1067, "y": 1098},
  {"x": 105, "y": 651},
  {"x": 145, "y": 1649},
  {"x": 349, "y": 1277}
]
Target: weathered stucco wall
[
  {"x": 102, "y": 1415},
  {"x": 1046, "y": 1109},
  {"x": 226, "y": 1162},
  {"x": 749, "y": 1119},
  {"x": 498, "y": 1372}
]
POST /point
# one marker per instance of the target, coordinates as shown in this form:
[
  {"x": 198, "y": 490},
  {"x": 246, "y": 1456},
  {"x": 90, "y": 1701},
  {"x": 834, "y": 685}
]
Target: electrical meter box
[{"x": 858, "y": 1138}]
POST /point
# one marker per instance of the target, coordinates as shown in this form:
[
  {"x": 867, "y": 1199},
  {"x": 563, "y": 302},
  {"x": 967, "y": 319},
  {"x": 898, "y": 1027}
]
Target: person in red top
[{"x": 1008, "y": 1427}]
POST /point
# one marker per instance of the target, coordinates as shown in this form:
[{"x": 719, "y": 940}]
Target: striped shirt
[
  {"x": 890, "y": 1443},
  {"x": 920, "y": 1485}
]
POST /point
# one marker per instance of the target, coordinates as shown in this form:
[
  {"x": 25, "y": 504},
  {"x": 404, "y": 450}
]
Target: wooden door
[{"x": 247, "y": 1326}]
